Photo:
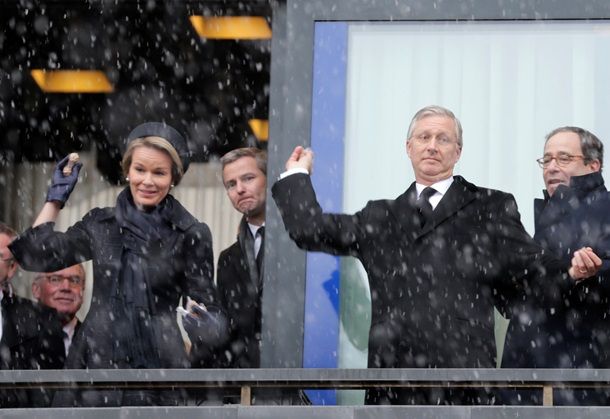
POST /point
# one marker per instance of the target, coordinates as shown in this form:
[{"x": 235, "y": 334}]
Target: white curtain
[{"x": 509, "y": 83}]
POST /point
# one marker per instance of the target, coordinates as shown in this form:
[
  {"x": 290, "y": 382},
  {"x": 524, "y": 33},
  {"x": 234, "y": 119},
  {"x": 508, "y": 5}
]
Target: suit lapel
[
  {"x": 406, "y": 214},
  {"x": 459, "y": 194}
]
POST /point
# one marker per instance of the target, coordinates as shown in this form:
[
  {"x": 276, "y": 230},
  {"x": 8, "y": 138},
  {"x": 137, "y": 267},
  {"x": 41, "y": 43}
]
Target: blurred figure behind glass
[
  {"x": 28, "y": 332},
  {"x": 63, "y": 291}
]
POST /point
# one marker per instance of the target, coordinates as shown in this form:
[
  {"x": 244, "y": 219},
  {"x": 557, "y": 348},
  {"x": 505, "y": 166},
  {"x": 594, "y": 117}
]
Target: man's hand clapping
[{"x": 585, "y": 264}]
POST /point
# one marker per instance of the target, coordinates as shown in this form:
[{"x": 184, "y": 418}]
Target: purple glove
[
  {"x": 206, "y": 328},
  {"x": 62, "y": 186}
]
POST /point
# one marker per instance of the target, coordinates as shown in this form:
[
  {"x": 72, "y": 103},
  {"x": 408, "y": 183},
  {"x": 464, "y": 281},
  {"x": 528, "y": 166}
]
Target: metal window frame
[{"x": 290, "y": 124}]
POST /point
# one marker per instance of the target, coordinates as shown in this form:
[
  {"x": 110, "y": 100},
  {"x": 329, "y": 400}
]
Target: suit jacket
[
  {"x": 569, "y": 329},
  {"x": 54, "y": 348},
  {"x": 30, "y": 338},
  {"x": 240, "y": 291},
  {"x": 433, "y": 288}
]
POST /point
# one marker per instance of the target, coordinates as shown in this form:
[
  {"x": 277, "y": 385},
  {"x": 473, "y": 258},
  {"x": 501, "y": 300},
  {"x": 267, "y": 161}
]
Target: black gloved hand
[
  {"x": 205, "y": 327},
  {"x": 62, "y": 186}
]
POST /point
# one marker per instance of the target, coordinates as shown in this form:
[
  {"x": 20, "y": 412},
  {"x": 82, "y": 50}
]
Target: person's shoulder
[
  {"x": 195, "y": 232},
  {"x": 29, "y": 309},
  {"x": 389, "y": 203},
  {"x": 99, "y": 214},
  {"x": 230, "y": 252},
  {"x": 192, "y": 227},
  {"x": 379, "y": 204},
  {"x": 597, "y": 204},
  {"x": 184, "y": 220},
  {"x": 603, "y": 193},
  {"x": 22, "y": 304},
  {"x": 481, "y": 191},
  {"x": 24, "y": 315}
]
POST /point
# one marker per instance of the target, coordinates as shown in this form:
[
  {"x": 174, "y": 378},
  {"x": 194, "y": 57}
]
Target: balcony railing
[{"x": 248, "y": 379}]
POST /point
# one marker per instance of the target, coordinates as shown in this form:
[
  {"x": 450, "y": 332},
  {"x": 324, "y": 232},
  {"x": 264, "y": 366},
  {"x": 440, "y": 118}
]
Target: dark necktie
[
  {"x": 424, "y": 206},
  {"x": 260, "y": 255},
  {"x": 6, "y": 300}
]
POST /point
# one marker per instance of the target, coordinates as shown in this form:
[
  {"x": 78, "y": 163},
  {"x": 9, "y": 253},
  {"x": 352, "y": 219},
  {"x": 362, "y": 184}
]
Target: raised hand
[
  {"x": 62, "y": 185},
  {"x": 301, "y": 158}
]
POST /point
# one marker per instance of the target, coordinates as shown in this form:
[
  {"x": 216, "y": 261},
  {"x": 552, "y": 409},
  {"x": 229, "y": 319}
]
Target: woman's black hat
[{"x": 163, "y": 130}]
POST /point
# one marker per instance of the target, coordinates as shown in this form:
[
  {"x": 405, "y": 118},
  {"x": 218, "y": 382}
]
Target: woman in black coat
[{"x": 148, "y": 251}]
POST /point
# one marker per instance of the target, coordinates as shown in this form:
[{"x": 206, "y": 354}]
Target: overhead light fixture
[
  {"x": 72, "y": 81},
  {"x": 260, "y": 128},
  {"x": 231, "y": 27}
]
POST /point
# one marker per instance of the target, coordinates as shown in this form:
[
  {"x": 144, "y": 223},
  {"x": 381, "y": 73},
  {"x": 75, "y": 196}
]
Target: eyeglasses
[
  {"x": 562, "y": 160},
  {"x": 425, "y": 139},
  {"x": 56, "y": 280}
]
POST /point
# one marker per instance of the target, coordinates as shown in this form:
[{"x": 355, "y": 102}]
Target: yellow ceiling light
[
  {"x": 260, "y": 128},
  {"x": 231, "y": 27},
  {"x": 72, "y": 81}
]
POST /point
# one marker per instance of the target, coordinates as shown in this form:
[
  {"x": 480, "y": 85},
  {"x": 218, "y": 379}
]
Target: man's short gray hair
[{"x": 435, "y": 110}]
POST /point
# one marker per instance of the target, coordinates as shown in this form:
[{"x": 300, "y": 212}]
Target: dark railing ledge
[{"x": 246, "y": 379}]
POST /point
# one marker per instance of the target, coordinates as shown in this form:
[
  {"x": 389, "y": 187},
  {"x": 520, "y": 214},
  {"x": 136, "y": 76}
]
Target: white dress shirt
[{"x": 441, "y": 189}]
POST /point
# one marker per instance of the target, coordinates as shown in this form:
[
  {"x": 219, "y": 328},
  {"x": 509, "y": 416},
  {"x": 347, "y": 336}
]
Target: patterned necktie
[{"x": 424, "y": 206}]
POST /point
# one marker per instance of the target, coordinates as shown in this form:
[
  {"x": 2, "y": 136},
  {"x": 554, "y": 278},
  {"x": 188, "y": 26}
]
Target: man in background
[
  {"x": 62, "y": 291},
  {"x": 240, "y": 274},
  {"x": 570, "y": 329},
  {"x": 240, "y": 266},
  {"x": 27, "y": 331}
]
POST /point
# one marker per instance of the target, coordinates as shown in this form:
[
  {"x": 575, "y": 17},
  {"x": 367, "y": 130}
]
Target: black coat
[
  {"x": 240, "y": 291},
  {"x": 31, "y": 339},
  {"x": 570, "y": 329},
  {"x": 433, "y": 289},
  {"x": 183, "y": 269}
]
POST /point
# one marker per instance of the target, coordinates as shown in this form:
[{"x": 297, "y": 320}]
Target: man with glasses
[
  {"x": 62, "y": 291},
  {"x": 570, "y": 329},
  {"x": 438, "y": 258}
]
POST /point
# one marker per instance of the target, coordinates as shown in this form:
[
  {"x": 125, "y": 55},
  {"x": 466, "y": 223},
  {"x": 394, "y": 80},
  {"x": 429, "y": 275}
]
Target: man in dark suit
[
  {"x": 27, "y": 331},
  {"x": 570, "y": 329},
  {"x": 239, "y": 273},
  {"x": 438, "y": 258}
]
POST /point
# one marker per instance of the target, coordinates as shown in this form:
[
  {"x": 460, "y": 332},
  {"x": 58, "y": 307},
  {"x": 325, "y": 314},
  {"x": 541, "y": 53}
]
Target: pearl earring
[
  {"x": 127, "y": 178},
  {"x": 172, "y": 185}
]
